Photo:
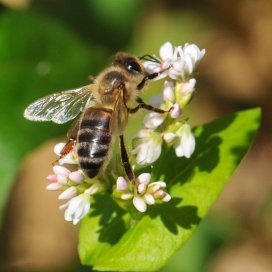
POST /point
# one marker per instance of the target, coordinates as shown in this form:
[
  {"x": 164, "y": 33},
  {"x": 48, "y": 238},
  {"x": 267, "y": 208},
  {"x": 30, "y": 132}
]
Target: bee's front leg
[{"x": 143, "y": 105}]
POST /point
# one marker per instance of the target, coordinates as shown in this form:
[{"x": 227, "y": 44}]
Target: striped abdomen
[{"x": 93, "y": 140}]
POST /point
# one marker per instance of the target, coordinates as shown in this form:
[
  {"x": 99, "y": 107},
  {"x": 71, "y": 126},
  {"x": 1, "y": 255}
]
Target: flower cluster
[
  {"x": 74, "y": 186},
  {"x": 177, "y": 63},
  {"x": 143, "y": 194}
]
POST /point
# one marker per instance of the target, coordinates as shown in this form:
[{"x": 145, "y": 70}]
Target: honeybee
[{"x": 104, "y": 109}]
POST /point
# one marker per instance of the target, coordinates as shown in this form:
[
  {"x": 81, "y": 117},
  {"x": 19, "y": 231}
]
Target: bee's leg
[
  {"x": 143, "y": 105},
  {"x": 125, "y": 160},
  {"x": 151, "y": 76},
  {"x": 71, "y": 135}
]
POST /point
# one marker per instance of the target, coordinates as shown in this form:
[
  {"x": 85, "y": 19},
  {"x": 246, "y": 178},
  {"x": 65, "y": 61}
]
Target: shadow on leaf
[
  {"x": 174, "y": 216},
  {"x": 112, "y": 224}
]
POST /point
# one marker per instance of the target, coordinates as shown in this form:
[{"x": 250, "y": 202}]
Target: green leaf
[{"x": 111, "y": 241}]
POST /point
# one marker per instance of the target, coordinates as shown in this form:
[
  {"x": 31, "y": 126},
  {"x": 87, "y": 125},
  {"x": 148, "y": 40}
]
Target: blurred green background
[{"x": 53, "y": 45}]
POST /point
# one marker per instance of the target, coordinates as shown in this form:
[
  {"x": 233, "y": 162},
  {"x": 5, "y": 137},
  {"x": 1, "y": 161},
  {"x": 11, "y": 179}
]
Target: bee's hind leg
[
  {"x": 68, "y": 147},
  {"x": 125, "y": 160},
  {"x": 71, "y": 135}
]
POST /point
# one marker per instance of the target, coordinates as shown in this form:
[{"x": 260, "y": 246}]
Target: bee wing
[{"x": 59, "y": 107}]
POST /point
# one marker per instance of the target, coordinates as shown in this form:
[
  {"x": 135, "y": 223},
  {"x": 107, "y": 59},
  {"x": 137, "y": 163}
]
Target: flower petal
[
  {"x": 166, "y": 51},
  {"x": 60, "y": 170},
  {"x": 175, "y": 111},
  {"x": 153, "y": 120},
  {"x": 149, "y": 199},
  {"x": 53, "y": 186},
  {"x": 58, "y": 148},
  {"x": 76, "y": 176},
  {"x": 168, "y": 91},
  {"x": 121, "y": 184},
  {"x": 139, "y": 203},
  {"x": 144, "y": 178},
  {"x": 68, "y": 193}
]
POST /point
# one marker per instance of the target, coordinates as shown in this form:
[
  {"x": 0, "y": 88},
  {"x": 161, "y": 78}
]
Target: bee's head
[{"x": 130, "y": 63}]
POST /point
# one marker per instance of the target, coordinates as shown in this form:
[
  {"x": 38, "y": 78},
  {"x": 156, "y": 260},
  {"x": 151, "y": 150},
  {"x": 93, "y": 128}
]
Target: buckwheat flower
[
  {"x": 76, "y": 208},
  {"x": 62, "y": 177},
  {"x": 168, "y": 59},
  {"x": 147, "y": 146},
  {"x": 70, "y": 158},
  {"x": 149, "y": 193},
  {"x": 59, "y": 178},
  {"x": 184, "y": 91},
  {"x": 175, "y": 62},
  {"x": 191, "y": 55},
  {"x": 146, "y": 193},
  {"x": 153, "y": 120},
  {"x": 170, "y": 99},
  {"x": 183, "y": 141}
]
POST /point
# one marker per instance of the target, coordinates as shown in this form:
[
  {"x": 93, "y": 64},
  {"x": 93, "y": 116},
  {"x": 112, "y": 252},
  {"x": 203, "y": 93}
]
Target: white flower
[
  {"x": 153, "y": 120},
  {"x": 183, "y": 141},
  {"x": 192, "y": 55},
  {"x": 184, "y": 91},
  {"x": 61, "y": 177},
  {"x": 76, "y": 208},
  {"x": 175, "y": 62},
  {"x": 146, "y": 194},
  {"x": 147, "y": 146},
  {"x": 70, "y": 158}
]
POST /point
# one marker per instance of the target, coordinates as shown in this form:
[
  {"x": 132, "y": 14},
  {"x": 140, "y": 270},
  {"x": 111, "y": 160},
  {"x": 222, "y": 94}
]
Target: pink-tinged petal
[
  {"x": 52, "y": 178},
  {"x": 149, "y": 199},
  {"x": 159, "y": 194},
  {"x": 58, "y": 148},
  {"x": 175, "y": 111},
  {"x": 144, "y": 178},
  {"x": 166, "y": 51},
  {"x": 76, "y": 176},
  {"x": 60, "y": 170},
  {"x": 139, "y": 204},
  {"x": 62, "y": 179},
  {"x": 53, "y": 186},
  {"x": 121, "y": 184},
  {"x": 68, "y": 193}
]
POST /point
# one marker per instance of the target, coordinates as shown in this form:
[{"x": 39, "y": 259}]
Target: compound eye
[{"x": 132, "y": 66}]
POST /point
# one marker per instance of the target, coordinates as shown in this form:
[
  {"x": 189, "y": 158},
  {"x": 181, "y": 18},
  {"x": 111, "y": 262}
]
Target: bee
[{"x": 104, "y": 108}]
